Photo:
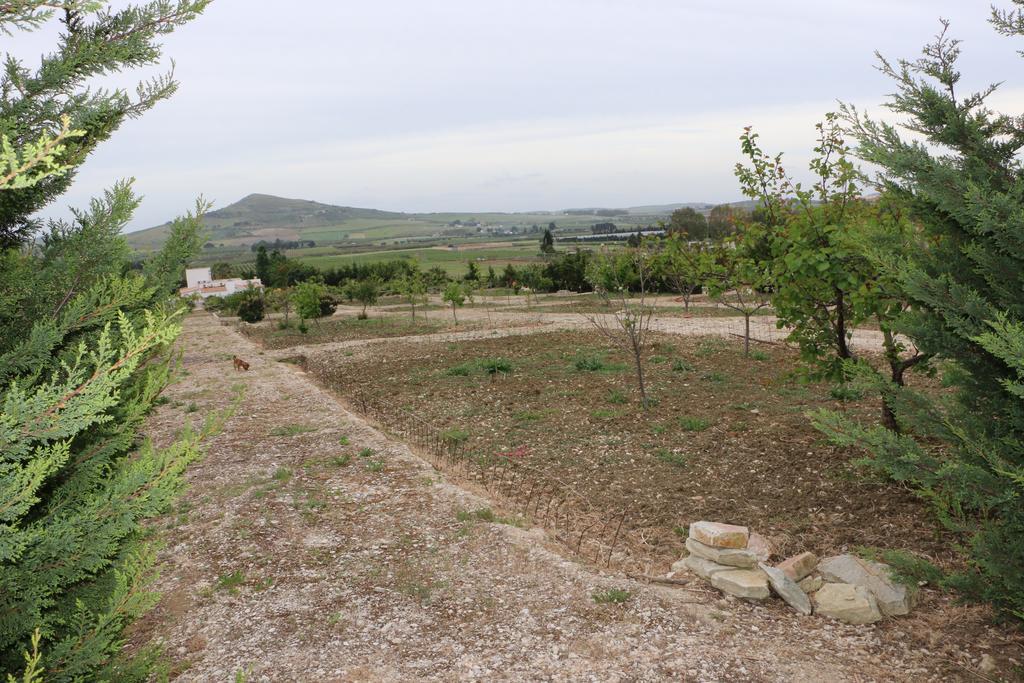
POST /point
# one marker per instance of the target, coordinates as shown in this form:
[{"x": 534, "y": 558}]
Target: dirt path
[{"x": 293, "y": 558}]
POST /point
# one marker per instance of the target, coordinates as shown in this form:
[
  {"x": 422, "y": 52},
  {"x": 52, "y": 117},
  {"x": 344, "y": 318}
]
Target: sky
[{"x": 507, "y": 105}]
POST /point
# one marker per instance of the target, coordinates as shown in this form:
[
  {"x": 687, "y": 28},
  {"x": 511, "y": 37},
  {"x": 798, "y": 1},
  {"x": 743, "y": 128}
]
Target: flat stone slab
[
  {"x": 787, "y": 589},
  {"x": 799, "y": 566},
  {"x": 893, "y": 599},
  {"x": 848, "y": 603},
  {"x": 734, "y": 557},
  {"x": 718, "y": 535},
  {"x": 705, "y": 569},
  {"x": 749, "y": 584}
]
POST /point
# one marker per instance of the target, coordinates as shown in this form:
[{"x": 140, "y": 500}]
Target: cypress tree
[
  {"x": 965, "y": 185},
  {"x": 85, "y": 351}
]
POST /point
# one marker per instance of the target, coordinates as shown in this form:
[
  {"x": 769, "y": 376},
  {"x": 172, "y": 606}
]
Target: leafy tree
[
  {"x": 366, "y": 292},
  {"x": 722, "y": 221},
  {"x": 492, "y": 277},
  {"x": 818, "y": 243},
  {"x": 435, "y": 278},
  {"x": 263, "y": 266},
  {"x": 547, "y": 242},
  {"x": 279, "y": 300},
  {"x": 221, "y": 270},
  {"x": 472, "y": 272},
  {"x": 455, "y": 296},
  {"x": 961, "y": 178},
  {"x": 509, "y": 276},
  {"x": 312, "y": 301},
  {"x": 251, "y": 306},
  {"x": 688, "y": 222},
  {"x": 628, "y": 326},
  {"x": 414, "y": 291},
  {"x": 55, "y": 96}
]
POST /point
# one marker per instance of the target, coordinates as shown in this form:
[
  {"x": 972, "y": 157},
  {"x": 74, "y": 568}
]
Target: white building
[{"x": 200, "y": 281}]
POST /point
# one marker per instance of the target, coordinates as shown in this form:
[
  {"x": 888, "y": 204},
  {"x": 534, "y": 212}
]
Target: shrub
[
  {"x": 693, "y": 424},
  {"x": 589, "y": 363},
  {"x": 455, "y": 435},
  {"x": 493, "y": 366},
  {"x": 251, "y": 308},
  {"x": 681, "y": 365},
  {"x": 612, "y": 596}
]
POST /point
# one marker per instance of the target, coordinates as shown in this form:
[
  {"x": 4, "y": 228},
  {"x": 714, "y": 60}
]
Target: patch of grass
[
  {"x": 693, "y": 424},
  {"x": 846, "y": 392},
  {"x": 709, "y": 347},
  {"x": 375, "y": 465},
  {"x": 658, "y": 360},
  {"x": 604, "y": 414},
  {"x": 527, "y": 416},
  {"x": 455, "y": 435},
  {"x": 282, "y": 474},
  {"x": 612, "y": 596},
  {"x": 343, "y": 441},
  {"x": 588, "y": 363},
  {"x": 759, "y": 356},
  {"x": 230, "y": 582},
  {"x": 659, "y": 429},
  {"x": 263, "y": 584},
  {"x": 681, "y": 365},
  {"x": 713, "y": 377},
  {"x": 366, "y": 452},
  {"x": 494, "y": 366},
  {"x": 341, "y": 460},
  {"x": 463, "y": 370},
  {"x": 617, "y": 397},
  {"x": 191, "y": 407},
  {"x": 291, "y": 430},
  {"x": 670, "y": 457}
]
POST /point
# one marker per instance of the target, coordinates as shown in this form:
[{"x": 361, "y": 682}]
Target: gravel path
[{"x": 293, "y": 558}]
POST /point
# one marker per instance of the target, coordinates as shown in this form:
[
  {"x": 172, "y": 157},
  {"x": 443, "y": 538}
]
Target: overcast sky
[{"x": 471, "y": 105}]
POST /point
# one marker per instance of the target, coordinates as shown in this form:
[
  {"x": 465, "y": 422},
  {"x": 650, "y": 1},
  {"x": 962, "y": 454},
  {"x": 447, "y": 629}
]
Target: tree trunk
[
  {"x": 454, "y": 317},
  {"x": 746, "y": 335},
  {"x": 640, "y": 374}
]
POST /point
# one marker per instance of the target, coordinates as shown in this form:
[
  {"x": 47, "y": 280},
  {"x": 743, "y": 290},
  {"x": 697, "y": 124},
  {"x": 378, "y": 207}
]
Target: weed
[
  {"x": 493, "y": 366},
  {"x": 527, "y": 416},
  {"x": 680, "y": 365},
  {"x": 670, "y": 457},
  {"x": 303, "y": 327},
  {"x": 191, "y": 407},
  {"x": 282, "y": 474},
  {"x": 709, "y": 347},
  {"x": 366, "y": 453},
  {"x": 263, "y": 584},
  {"x": 758, "y": 356},
  {"x": 659, "y": 429},
  {"x": 463, "y": 370},
  {"x": 604, "y": 414},
  {"x": 612, "y": 596},
  {"x": 907, "y": 568},
  {"x": 291, "y": 430},
  {"x": 681, "y": 531},
  {"x": 715, "y": 377},
  {"x": 658, "y": 360},
  {"x": 693, "y": 424},
  {"x": 343, "y": 441},
  {"x": 375, "y": 465},
  {"x": 589, "y": 363},
  {"x": 617, "y": 397},
  {"x": 231, "y": 582},
  {"x": 341, "y": 460}
]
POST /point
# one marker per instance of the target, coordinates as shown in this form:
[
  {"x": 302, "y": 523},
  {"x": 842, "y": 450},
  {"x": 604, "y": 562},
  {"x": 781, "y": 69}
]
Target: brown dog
[{"x": 240, "y": 364}]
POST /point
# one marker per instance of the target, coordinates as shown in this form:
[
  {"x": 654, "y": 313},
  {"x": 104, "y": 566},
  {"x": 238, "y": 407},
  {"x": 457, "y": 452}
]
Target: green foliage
[
  {"x": 455, "y": 435},
  {"x": 907, "y": 568},
  {"x": 455, "y": 296},
  {"x": 684, "y": 265},
  {"x": 671, "y": 457},
  {"x": 612, "y": 596},
  {"x": 366, "y": 292},
  {"x": 251, "y": 305},
  {"x": 966, "y": 290},
  {"x": 589, "y": 363},
  {"x": 494, "y": 366},
  {"x": 312, "y": 300},
  {"x": 693, "y": 424}
]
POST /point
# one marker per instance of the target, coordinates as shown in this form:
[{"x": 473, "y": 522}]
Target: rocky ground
[{"x": 312, "y": 547}]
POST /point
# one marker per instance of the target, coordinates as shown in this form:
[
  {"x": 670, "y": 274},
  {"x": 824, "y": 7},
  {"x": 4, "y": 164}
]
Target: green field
[{"x": 454, "y": 261}]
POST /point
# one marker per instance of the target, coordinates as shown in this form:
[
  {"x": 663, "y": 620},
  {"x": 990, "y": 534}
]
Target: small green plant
[
  {"x": 670, "y": 457},
  {"x": 463, "y": 370},
  {"x": 343, "y": 441},
  {"x": 693, "y": 424},
  {"x": 231, "y": 582},
  {"x": 617, "y": 397},
  {"x": 714, "y": 377},
  {"x": 659, "y": 429},
  {"x": 455, "y": 435},
  {"x": 191, "y": 407},
  {"x": 494, "y": 366},
  {"x": 290, "y": 430},
  {"x": 604, "y": 414},
  {"x": 341, "y": 460},
  {"x": 612, "y": 596},
  {"x": 760, "y": 356},
  {"x": 375, "y": 465},
  {"x": 366, "y": 453},
  {"x": 527, "y": 416},
  {"x": 589, "y": 363},
  {"x": 907, "y": 568},
  {"x": 282, "y": 474},
  {"x": 681, "y": 365},
  {"x": 303, "y": 327},
  {"x": 657, "y": 360}
]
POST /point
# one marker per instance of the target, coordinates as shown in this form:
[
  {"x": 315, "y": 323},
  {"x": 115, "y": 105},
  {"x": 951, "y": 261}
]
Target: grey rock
[
  {"x": 704, "y": 568},
  {"x": 787, "y": 589},
  {"x": 846, "y": 602},
  {"x": 893, "y": 599},
  {"x": 733, "y": 557},
  {"x": 743, "y": 583}
]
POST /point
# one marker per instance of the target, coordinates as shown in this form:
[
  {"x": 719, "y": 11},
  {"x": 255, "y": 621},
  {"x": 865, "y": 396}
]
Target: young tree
[
  {"x": 966, "y": 290},
  {"x": 312, "y": 301},
  {"x": 263, "y": 266},
  {"x": 252, "y": 307},
  {"x": 683, "y": 265},
  {"x": 688, "y": 222},
  {"x": 455, "y": 296},
  {"x": 365, "y": 292},
  {"x": 280, "y": 300},
  {"x": 414, "y": 290},
  {"x": 738, "y": 282},
  {"x": 628, "y": 326},
  {"x": 472, "y": 272}
]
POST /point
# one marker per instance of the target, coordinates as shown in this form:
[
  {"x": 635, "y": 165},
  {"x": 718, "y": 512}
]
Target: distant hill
[{"x": 266, "y": 217}]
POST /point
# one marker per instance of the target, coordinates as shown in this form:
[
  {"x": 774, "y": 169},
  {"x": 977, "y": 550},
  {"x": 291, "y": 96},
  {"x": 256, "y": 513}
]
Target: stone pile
[{"x": 734, "y": 560}]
